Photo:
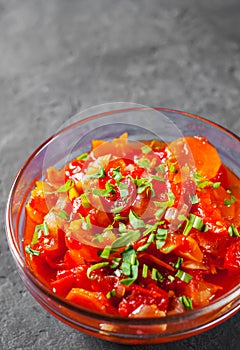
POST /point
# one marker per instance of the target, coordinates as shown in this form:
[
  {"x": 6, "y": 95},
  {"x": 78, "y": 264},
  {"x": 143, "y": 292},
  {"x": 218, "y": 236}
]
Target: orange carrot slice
[{"x": 199, "y": 152}]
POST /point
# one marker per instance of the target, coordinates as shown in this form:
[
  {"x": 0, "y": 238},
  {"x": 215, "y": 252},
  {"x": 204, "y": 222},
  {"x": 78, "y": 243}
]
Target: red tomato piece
[
  {"x": 96, "y": 301},
  {"x": 232, "y": 258}
]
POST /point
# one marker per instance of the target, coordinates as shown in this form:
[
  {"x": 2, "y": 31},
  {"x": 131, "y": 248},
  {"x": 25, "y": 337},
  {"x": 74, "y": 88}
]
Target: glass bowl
[{"x": 140, "y": 123}]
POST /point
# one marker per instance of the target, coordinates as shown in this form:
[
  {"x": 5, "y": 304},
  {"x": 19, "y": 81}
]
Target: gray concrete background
[{"x": 58, "y": 57}]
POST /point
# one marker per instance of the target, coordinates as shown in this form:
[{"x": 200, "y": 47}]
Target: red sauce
[{"x": 137, "y": 229}]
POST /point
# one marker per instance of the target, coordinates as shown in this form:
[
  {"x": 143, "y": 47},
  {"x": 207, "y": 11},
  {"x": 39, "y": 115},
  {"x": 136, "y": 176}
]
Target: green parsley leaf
[
  {"x": 109, "y": 189},
  {"x": 135, "y": 221},
  {"x": 95, "y": 267},
  {"x": 161, "y": 169},
  {"x": 186, "y": 301},
  {"x": 130, "y": 280},
  {"x": 66, "y": 187},
  {"x": 215, "y": 184},
  {"x": 149, "y": 241},
  {"x": 178, "y": 263},
  {"x": 183, "y": 276},
  {"x": 82, "y": 156},
  {"x": 171, "y": 278},
  {"x": 31, "y": 251},
  {"x": 146, "y": 149},
  {"x": 117, "y": 175},
  {"x": 123, "y": 189},
  {"x": 158, "y": 178},
  {"x": 230, "y": 201},
  {"x": 144, "y": 271},
  {"x": 156, "y": 275},
  {"x": 105, "y": 252},
  {"x": 115, "y": 263},
  {"x": 111, "y": 294},
  {"x": 86, "y": 223},
  {"x": 130, "y": 236},
  {"x": 42, "y": 227},
  {"x": 100, "y": 174},
  {"x": 172, "y": 168},
  {"x": 63, "y": 215},
  {"x": 144, "y": 163},
  {"x": 161, "y": 237},
  {"x": 194, "y": 198},
  {"x": 85, "y": 201},
  {"x": 117, "y": 210},
  {"x": 233, "y": 231}
]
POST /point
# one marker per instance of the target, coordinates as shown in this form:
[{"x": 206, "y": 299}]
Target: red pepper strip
[{"x": 156, "y": 260}]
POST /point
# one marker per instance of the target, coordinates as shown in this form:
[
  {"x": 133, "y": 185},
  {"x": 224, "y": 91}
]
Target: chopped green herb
[
  {"x": 149, "y": 241},
  {"x": 35, "y": 237},
  {"x": 111, "y": 294},
  {"x": 95, "y": 267},
  {"x": 86, "y": 223},
  {"x": 31, "y": 251},
  {"x": 129, "y": 265},
  {"x": 172, "y": 168},
  {"x": 123, "y": 189},
  {"x": 161, "y": 237},
  {"x": 85, "y": 201},
  {"x": 82, "y": 156},
  {"x": 193, "y": 221},
  {"x": 159, "y": 213},
  {"x": 183, "y": 276},
  {"x": 161, "y": 169},
  {"x": 42, "y": 227},
  {"x": 178, "y": 263},
  {"x": 63, "y": 215},
  {"x": 171, "y": 278},
  {"x": 194, "y": 198},
  {"x": 66, "y": 187},
  {"x": 156, "y": 275},
  {"x": 202, "y": 183},
  {"x": 233, "y": 231},
  {"x": 169, "y": 203},
  {"x": 186, "y": 301},
  {"x": 230, "y": 201},
  {"x": 215, "y": 184},
  {"x": 158, "y": 178},
  {"x": 117, "y": 210},
  {"x": 135, "y": 221},
  {"x": 130, "y": 280},
  {"x": 144, "y": 271},
  {"x": 105, "y": 252},
  {"x": 151, "y": 228},
  {"x": 126, "y": 268},
  {"x": 115, "y": 263},
  {"x": 100, "y": 174},
  {"x": 109, "y": 189},
  {"x": 144, "y": 163},
  {"x": 117, "y": 175},
  {"x": 146, "y": 149},
  {"x": 130, "y": 236},
  {"x": 142, "y": 184}
]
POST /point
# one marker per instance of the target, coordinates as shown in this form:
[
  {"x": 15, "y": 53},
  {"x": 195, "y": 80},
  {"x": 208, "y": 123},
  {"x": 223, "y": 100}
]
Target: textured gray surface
[{"x": 58, "y": 57}]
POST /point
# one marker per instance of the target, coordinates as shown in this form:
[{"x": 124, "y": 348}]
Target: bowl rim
[{"x": 21, "y": 264}]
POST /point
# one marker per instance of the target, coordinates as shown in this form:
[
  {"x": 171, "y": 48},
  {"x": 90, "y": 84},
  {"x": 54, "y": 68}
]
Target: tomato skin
[
  {"x": 184, "y": 246},
  {"x": 222, "y": 176},
  {"x": 96, "y": 301},
  {"x": 151, "y": 295},
  {"x": 62, "y": 286},
  {"x": 232, "y": 258},
  {"x": 89, "y": 254}
]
